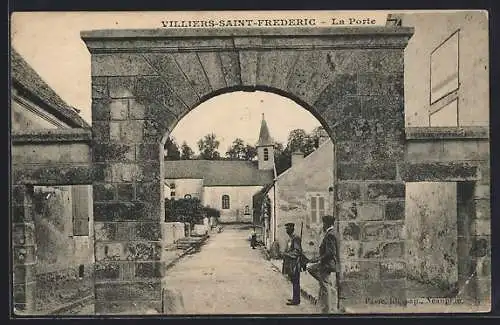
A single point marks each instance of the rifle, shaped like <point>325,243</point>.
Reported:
<point>302,258</point>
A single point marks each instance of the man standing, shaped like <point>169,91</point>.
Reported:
<point>291,262</point>
<point>325,264</point>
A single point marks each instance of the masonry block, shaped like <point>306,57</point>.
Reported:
<point>118,109</point>
<point>23,234</point>
<point>137,110</point>
<point>122,211</point>
<point>332,93</point>
<point>392,270</point>
<point>24,296</point>
<point>143,251</point>
<point>380,84</point>
<point>120,64</point>
<point>24,273</point>
<point>378,230</point>
<point>382,107</point>
<point>231,68</point>
<point>101,109</point>
<point>104,192</point>
<point>105,270</point>
<point>350,231</point>
<point>99,87</point>
<point>483,209</point>
<point>481,227</point>
<point>101,130</point>
<point>382,250</point>
<point>395,210</point>
<point>121,87</point>
<point>148,152</point>
<point>213,67</point>
<point>380,170</point>
<point>439,171</point>
<point>105,231</point>
<point>347,210</point>
<point>148,231</point>
<point>125,191</point>
<point>193,70</point>
<point>361,270</point>
<point>370,211</point>
<point>111,251</point>
<point>384,191</point>
<point>149,172</point>
<point>350,249</point>
<point>24,254</point>
<point>482,191</point>
<point>348,191</point>
<point>148,270</point>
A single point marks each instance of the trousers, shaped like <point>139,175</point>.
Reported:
<point>327,290</point>
<point>295,287</point>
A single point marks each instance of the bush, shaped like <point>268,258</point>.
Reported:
<point>188,210</point>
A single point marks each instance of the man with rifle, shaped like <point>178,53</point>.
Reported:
<point>292,264</point>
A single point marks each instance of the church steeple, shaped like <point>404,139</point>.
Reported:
<point>264,136</point>
<point>265,147</point>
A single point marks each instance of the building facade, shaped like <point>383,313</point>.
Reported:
<point>226,185</point>
<point>63,215</point>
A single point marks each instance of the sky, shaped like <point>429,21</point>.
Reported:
<point>50,42</point>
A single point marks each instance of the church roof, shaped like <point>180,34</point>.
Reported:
<point>264,135</point>
<point>23,75</point>
<point>219,172</point>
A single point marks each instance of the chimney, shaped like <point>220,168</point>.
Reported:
<point>297,156</point>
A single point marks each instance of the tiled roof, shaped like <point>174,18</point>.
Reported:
<point>23,75</point>
<point>219,172</point>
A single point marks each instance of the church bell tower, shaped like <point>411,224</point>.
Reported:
<point>265,147</point>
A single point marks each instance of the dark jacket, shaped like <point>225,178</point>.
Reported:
<point>291,256</point>
<point>329,253</point>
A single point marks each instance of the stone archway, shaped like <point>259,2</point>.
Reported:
<point>145,81</point>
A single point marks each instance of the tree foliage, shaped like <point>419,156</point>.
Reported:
<point>186,151</point>
<point>188,210</point>
<point>241,151</point>
<point>208,146</point>
<point>171,149</point>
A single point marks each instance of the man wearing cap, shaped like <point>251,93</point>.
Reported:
<point>325,264</point>
<point>291,262</point>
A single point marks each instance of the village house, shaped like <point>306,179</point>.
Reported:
<point>302,194</point>
<point>62,214</point>
<point>225,185</point>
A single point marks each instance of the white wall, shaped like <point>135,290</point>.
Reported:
<point>473,94</point>
<point>240,196</point>
<point>193,187</point>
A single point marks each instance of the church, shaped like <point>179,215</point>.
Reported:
<point>225,185</point>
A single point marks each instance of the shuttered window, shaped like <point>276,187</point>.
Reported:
<point>316,207</point>
<point>80,197</point>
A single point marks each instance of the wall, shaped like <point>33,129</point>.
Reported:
<point>59,254</point>
<point>194,187</point>
<point>430,31</point>
<point>313,174</point>
<point>431,233</point>
<point>240,196</point>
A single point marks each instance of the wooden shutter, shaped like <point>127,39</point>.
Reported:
<point>314,209</point>
<point>80,196</point>
<point>321,207</point>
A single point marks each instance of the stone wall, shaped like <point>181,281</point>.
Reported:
<point>431,233</point>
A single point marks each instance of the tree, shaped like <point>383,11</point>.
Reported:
<point>186,152</point>
<point>241,151</point>
<point>171,150</point>
<point>316,135</point>
<point>282,158</point>
<point>236,150</point>
<point>299,140</point>
<point>208,147</point>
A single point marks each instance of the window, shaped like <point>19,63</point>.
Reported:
<point>172,193</point>
<point>316,208</point>
<point>266,154</point>
<point>247,209</point>
<point>225,201</point>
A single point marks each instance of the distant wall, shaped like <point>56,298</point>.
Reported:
<point>193,187</point>
<point>240,197</point>
<point>431,230</point>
